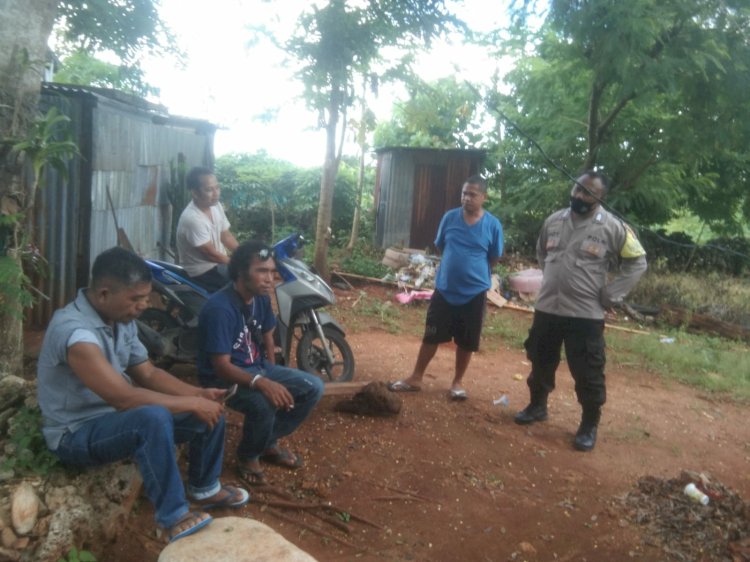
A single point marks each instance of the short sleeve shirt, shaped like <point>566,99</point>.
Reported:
<point>228,326</point>
<point>66,402</point>
<point>195,229</point>
<point>464,269</point>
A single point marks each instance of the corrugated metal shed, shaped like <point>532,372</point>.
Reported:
<point>414,187</point>
<point>129,148</point>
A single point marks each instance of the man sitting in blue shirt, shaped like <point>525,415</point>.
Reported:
<point>236,346</point>
<point>471,241</point>
<point>103,400</point>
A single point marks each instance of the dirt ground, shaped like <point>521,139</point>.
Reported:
<point>447,481</point>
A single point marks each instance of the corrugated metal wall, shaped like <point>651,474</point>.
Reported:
<point>127,151</point>
<point>415,187</point>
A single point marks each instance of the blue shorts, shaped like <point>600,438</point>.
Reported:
<point>461,323</point>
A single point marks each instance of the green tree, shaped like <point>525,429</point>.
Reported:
<point>124,26</point>
<point>81,67</point>
<point>653,92</point>
<point>269,198</point>
<point>336,43</point>
<point>441,114</point>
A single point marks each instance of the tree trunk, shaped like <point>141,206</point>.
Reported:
<point>358,205</point>
<point>25,26</point>
<point>327,184</point>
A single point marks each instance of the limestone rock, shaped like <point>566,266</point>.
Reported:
<point>24,508</point>
<point>234,539</point>
<point>8,537</point>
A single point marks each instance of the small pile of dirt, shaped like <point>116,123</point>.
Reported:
<point>687,530</point>
<point>373,400</point>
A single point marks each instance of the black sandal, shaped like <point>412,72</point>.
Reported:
<point>251,477</point>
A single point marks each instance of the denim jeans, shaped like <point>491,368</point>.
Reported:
<point>264,425</point>
<point>149,434</point>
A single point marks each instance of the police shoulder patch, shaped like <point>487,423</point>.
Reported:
<point>632,247</point>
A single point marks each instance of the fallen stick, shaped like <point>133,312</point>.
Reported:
<point>397,498</point>
<point>341,525</point>
<point>311,528</point>
<point>337,274</point>
<point>405,493</point>
<point>311,506</point>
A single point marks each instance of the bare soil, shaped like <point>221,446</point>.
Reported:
<point>447,481</point>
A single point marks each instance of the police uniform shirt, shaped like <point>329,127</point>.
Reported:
<point>578,254</point>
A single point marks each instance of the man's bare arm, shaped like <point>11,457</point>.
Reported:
<point>91,366</point>
<point>229,241</point>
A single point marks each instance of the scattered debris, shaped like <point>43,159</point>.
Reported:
<point>686,530</point>
<point>414,267</point>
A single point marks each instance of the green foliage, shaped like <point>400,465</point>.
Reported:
<point>48,142</point>
<point>83,68</point>
<point>26,451</point>
<point>364,260</point>
<point>442,114</point>
<point>714,294</point>
<point>125,27</point>
<point>14,293</point>
<point>75,555</point>
<point>712,364</point>
<point>637,89</point>
<point>678,252</point>
<point>389,315</point>
<point>268,198</point>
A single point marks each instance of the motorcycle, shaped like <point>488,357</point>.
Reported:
<point>169,330</point>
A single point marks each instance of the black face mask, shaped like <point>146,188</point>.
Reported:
<point>579,206</point>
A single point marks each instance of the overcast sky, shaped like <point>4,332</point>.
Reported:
<point>230,82</point>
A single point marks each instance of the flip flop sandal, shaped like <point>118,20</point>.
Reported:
<point>283,458</point>
<point>458,394</point>
<point>403,386</point>
<point>197,520</point>
<point>252,477</point>
<point>228,496</point>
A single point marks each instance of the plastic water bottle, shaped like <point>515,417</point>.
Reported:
<point>692,491</point>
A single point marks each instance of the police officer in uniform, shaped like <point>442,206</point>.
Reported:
<point>578,248</point>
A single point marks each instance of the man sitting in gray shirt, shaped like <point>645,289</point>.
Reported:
<point>102,400</point>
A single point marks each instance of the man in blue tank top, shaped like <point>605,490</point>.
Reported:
<point>471,242</point>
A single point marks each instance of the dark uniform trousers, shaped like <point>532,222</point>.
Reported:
<point>584,351</point>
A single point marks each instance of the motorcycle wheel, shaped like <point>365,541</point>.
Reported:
<point>311,356</point>
<point>159,321</point>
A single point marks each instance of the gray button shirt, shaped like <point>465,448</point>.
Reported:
<point>67,403</point>
<point>589,263</point>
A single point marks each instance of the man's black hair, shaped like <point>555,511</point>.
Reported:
<point>593,174</point>
<point>121,266</point>
<point>477,180</point>
<point>242,257</point>
<point>193,178</point>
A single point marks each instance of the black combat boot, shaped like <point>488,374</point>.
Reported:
<point>535,411</point>
<point>586,434</point>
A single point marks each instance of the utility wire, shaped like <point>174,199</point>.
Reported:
<point>611,209</point>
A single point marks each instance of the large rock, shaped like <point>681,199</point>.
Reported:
<point>234,539</point>
<point>24,508</point>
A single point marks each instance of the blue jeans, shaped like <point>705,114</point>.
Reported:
<point>264,425</point>
<point>149,433</point>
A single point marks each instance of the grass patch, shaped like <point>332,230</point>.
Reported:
<point>504,328</point>
<point>712,364</point>
<point>720,296</point>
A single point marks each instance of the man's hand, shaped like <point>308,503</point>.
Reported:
<point>206,410</point>
<point>215,394</point>
<point>276,393</point>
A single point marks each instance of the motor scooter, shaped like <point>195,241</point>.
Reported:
<point>169,330</point>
